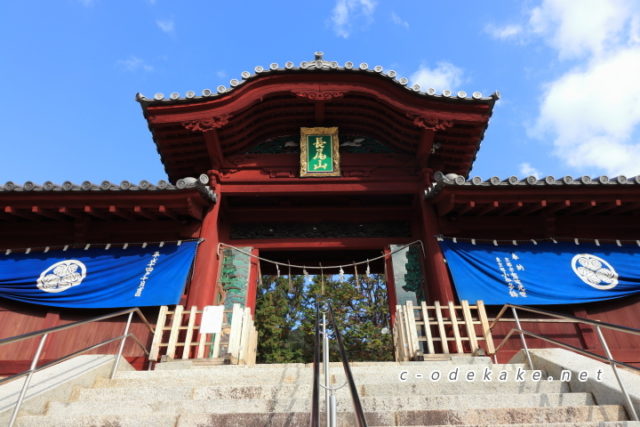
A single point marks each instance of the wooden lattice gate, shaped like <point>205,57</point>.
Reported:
<point>435,329</point>
<point>178,336</point>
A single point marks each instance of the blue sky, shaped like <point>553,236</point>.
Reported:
<point>69,69</point>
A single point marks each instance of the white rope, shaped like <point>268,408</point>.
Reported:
<point>319,267</point>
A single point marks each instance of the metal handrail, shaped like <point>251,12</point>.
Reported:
<point>357,406</point>
<point>330,407</point>
<point>44,334</point>
<point>75,324</point>
<point>315,401</point>
<point>572,319</point>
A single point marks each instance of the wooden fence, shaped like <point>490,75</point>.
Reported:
<point>434,329</point>
<point>178,336</point>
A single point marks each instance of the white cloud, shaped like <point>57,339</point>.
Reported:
<point>444,76</point>
<point>86,3</point>
<point>591,110</point>
<point>527,170</point>
<point>578,28</point>
<point>399,21</point>
<point>505,32</point>
<point>345,11</point>
<point>634,30</point>
<point>166,25</point>
<point>593,114</point>
<point>133,63</point>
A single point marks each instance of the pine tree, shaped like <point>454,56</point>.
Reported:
<point>278,313</point>
<point>285,320</point>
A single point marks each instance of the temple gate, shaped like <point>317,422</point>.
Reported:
<point>321,163</point>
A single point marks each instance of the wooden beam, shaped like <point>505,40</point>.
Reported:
<point>330,187</point>
<point>81,229</point>
<point>89,210</point>
<point>628,207</point>
<point>194,210</point>
<point>470,205</point>
<point>47,213</point>
<point>445,206</point>
<point>534,207</point>
<point>512,207</point>
<point>605,207</point>
<point>162,209</point>
<point>71,213</point>
<point>492,206</point>
<point>471,329</point>
<point>318,111</point>
<point>424,146</point>
<point>139,210</point>
<point>214,148</point>
<point>556,207</point>
<point>333,213</point>
<point>20,213</point>
<point>583,207</point>
<point>351,243</point>
<point>441,329</point>
<point>120,212</point>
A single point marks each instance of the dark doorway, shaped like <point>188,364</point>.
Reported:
<point>285,307</point>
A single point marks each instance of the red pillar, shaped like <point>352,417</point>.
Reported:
<point>254,278</point>
<point>439,286</point>
<point>205,271</point>
<point>391,285</point>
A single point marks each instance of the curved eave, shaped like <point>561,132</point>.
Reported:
<point>222,91</point>
<point>279,102</point>
<point>454,195</point>
<point>188,199</point>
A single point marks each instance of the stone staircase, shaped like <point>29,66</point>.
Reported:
<point>195,393</point>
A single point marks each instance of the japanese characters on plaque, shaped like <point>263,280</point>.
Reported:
<point>510,268</point>
<point>319,152</point>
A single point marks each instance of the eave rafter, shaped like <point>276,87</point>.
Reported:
<point>254,92</point>
<point>268,105</point>
<point>101,206</point>
<point>525,201</point>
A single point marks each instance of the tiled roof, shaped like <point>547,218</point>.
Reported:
<point>318,64</point>
<point>199,183</point>
<point>441,180</point>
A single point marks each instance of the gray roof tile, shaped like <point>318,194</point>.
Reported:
<point>318,64</point>
<point>442,180</point>
<point>199,183</point>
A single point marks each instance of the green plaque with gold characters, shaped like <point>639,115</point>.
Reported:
<point>319,154</point>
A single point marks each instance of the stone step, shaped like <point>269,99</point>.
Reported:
<point>572,424</point>
<point>462,387</point>
<point>455,359</point>
<point>142,405</point>
<point>179,392</point>
<point>580,417</point>
<point>203,420</point>
<point>591,415</point>
<point>288,375</point>
<point>149,420</point>
<point>361,367</point>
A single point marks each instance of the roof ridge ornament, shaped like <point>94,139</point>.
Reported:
<point>319,63</point>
